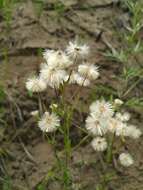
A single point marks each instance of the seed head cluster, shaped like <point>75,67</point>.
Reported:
<point>103,120</point>
<point>69,66</point>
<point>60,66</point>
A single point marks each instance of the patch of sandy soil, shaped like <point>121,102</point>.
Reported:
<point>28,168</point>
<point>31,156</point>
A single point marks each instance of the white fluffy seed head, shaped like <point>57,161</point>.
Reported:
<point>102,107</point>
<point>57,59</point>
<point>89,71</point>
<point>36,84</point>
<point>133,132</point>
<point>53,76</point>
<point>126,159</point>
<point>57,78</point>
<point>99,144</point>
<point>61,59</point>
<point>49,122</point>
<point>76,50</point>
<point>96,124</point>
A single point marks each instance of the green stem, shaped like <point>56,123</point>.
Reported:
<point>110,149</point>
<point>67,135</point>
<point>67,147</point>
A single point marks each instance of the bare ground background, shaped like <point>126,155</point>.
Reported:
<point>29,156</point>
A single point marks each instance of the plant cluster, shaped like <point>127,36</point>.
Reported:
<point>106,120</point>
